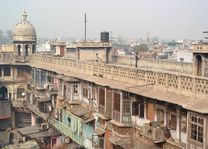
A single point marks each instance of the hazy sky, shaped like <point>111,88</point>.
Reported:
<point>167,19</point>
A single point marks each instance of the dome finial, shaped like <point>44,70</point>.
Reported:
<point>24,16</point>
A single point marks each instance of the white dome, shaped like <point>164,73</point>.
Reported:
<point>24,30</point>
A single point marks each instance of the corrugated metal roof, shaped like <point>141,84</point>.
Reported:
<point>123,142</point>
<point>29,130</point>
<point>70,79</point>
<point>79,111</point>
<point>41,134</point>
<point>99,131</point>
<point>89,119</point>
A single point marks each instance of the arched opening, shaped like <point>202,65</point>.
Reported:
<point>3,93</point>
<point>198,65</point>
<point>19,50</point>
<point>33,49</point>
<point>26,50</point>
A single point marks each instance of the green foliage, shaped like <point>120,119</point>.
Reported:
<point>140,48</point>
<point>6,38</point>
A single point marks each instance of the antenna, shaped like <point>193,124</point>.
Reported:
<point>85,21</point>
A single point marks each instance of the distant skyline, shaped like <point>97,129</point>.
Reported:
<point>167,19</point>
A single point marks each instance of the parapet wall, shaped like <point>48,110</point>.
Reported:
<point>177,82</point>
<point>154,64</point>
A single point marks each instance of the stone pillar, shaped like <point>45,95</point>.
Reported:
<point>203,66</point>
<point>165,117</point>
<point>105,99</point>
<point>121,107</point>
<point>145,109</point>
<point>13,119</point>
<point>33,120</point>
<point>155,118</point>
<point>23,49</point>
<point>178,125</point>
<point>62,92</point>
<point>2,70</point>
<point>15,95</point>
<point>71,85</point>
<point>205,133</point>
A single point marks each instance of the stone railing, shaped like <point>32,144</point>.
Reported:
<point>155,64</point>
<point>10,57</point>
<point>7,57</point>
<point>180,83</point>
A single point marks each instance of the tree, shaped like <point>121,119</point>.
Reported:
<point>9,35</point>
<point>140,48</point>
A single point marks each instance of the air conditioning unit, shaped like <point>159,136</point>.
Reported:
<point>45,86</point>
<point>23,139</point>
<point>49,108</point>
<point>67,140</point>
<point>44,126</point>
<point>50,87</point>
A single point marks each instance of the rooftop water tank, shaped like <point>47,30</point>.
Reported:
<point>104,36</point>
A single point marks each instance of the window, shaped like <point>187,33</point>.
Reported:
<point>20,72</point>
<point>181,59</point>
<point>49,79</point>
<point>85,92</point>
<point>7,71</point>
<point>75,88</point>
<point>43,77</point>
<point>117,101</point>
<point>69,121</point>
<point>138,109</point>
<point>172,120</point>
<point>160,115</point>
<point>126,107</point>
<point>197,125</point>
<point>101,96</point>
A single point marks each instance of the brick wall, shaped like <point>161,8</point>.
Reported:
<point>108,144</point>
<point>150,110</point>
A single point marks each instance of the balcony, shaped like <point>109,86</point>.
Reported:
<point>66,131</point>
<point>155,133</point>
<point>5,109</point>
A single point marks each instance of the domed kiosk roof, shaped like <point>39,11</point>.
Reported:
<point>24,30</point>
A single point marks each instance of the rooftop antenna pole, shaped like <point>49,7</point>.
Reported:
<point>85,27</point>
